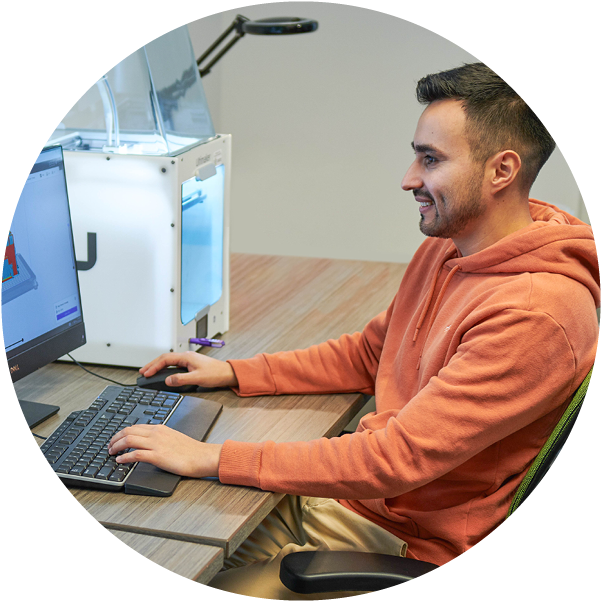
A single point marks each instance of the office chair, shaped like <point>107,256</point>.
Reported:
<point>331,571</point>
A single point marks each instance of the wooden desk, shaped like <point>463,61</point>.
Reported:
<point>277,303</point>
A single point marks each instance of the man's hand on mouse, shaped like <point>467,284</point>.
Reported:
<point>167,449</point>
<point>203,370</point>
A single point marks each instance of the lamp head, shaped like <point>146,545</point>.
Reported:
<point>278,26</point>
<point>273,26</point>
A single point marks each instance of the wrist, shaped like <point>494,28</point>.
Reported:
<point>209,466</point>
<point>230,375</point>
<point>216,451</point>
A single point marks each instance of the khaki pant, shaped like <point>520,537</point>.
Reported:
<point>299,524</point>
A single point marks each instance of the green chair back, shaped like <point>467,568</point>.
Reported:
<point>550,450</point>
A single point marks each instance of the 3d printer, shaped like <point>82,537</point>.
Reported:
<point>149,184</point>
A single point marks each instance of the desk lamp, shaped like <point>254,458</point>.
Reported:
<point>273,26</point>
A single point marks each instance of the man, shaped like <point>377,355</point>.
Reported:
<point>492,330</point>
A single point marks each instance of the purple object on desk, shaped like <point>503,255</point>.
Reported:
<point>208,342</point>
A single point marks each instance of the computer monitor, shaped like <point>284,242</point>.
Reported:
<point>42,317</point>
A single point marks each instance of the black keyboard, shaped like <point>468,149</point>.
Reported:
<point>78,449</point>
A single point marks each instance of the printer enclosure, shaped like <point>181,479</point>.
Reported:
<point>127,212</point>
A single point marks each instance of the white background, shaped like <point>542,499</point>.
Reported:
<point>53,52</point>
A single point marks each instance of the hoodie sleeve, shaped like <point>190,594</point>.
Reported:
<point>509,371</point>
<point>348,364</point>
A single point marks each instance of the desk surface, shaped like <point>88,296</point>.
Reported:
<point>277,303</point>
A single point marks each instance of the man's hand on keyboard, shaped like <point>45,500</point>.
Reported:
<point>167,449</point>
<point>203,370</point>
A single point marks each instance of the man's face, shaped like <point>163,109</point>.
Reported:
<point>443,177</point>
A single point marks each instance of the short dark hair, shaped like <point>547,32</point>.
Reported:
<point>497,118</point>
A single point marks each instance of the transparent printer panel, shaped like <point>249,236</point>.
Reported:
<point>202,243</point>
<point>116,114</point>
<point>151,103</point>
<point>179,91</point>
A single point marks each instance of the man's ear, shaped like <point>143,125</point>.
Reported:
<point>503,168</point>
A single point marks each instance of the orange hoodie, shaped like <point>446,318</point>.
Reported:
<point>471,366</point>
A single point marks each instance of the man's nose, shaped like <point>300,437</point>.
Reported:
<point>411,181</point>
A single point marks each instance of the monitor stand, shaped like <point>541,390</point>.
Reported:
<point>35,412</point>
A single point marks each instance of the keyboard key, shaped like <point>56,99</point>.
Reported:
<point>119,474</point>
<point>59,449</point>
<point>104,473</point>
<point>91,471</point>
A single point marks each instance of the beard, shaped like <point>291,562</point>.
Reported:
<point>458,209</point>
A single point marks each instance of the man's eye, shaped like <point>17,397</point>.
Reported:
<point>429,160</point>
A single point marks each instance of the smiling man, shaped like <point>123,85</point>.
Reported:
<point>460,201</point>
<point>492,330</point>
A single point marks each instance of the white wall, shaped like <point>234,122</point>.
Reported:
<point>322,125</point>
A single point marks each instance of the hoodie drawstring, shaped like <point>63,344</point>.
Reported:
<point>427,304</point>
<point>446,282</point>
<point>429,296</point>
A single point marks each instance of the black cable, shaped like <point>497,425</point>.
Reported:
<point>98,375</point>
<point>38,436</point>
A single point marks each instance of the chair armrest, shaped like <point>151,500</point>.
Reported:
<point>317,572</point>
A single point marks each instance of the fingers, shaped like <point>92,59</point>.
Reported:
<point>183,378</point>
<point>136,455</point>
<point>163,361</point>
<point>118,441</point>
<point>158,364</point>
<point>139,440</point>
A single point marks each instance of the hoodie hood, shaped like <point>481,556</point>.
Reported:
<point>556,242</point>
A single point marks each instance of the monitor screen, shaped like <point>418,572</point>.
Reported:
<point>42,317</point>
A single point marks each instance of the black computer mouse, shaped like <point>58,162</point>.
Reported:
<point>157,381</point>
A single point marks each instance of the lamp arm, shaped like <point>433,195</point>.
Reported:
<point>235,25</point>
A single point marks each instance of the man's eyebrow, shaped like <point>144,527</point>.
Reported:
<point>425,148</point>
